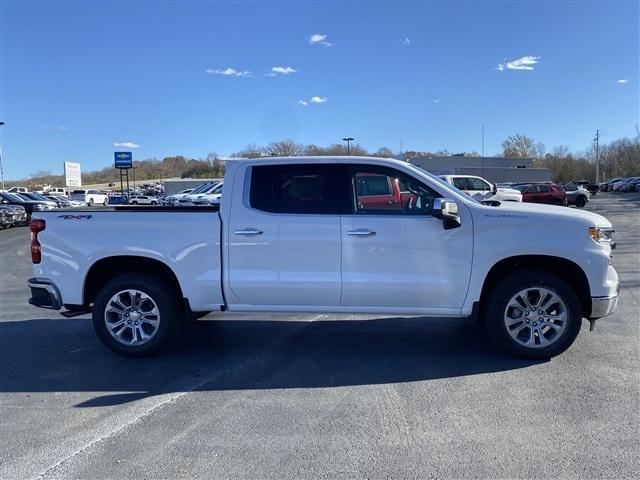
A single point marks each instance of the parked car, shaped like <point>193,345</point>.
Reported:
<point>38,198</point>
<point>606,186</point>
<point>630,185</point>
<point>56,191</point>
<point>481,189</point>
<point>592,188</point>
<point>7,219</point>
<point>18,190</point>
<point>616,186</point>
<point>576,195</point>
<point>295,235</point>
<point>19,213</point>
<point>187,200</point>
<point>117,199</point>
<point>64,201</point>
<point>89,197</point>
<point>211,197</point>
<point>142,200</point>
<point>30,206</point>
<point>170,199</point>
<point>549,193</point>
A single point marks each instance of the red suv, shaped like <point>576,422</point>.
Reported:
<point>543,193</point>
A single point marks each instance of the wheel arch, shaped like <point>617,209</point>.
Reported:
<point>569,271</point>
<point>108,268</point>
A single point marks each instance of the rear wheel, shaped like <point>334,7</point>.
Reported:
<point>532,314</point>
<point>91,202</point>
<point>136,314</point>
<point>581,201</point>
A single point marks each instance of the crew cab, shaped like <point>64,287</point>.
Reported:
<point>481,189</point>
<point>304,235</point>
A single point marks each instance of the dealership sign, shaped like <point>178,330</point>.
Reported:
<point>72,174</point>
<point>123,159</point>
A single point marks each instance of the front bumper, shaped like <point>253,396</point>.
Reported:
<point>44,294</point>
<point>603,306</point>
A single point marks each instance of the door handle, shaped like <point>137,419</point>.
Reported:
<point>361,233</point>
<point>391,202</point>
<point>248,231</point>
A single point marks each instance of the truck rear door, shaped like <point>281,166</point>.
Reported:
<point>283,236</point>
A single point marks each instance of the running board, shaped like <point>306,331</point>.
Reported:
<point>74,313</point>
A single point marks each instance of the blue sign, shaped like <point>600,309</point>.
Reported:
<point>123,159</point>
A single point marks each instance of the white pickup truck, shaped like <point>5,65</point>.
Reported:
<point>328,234</point>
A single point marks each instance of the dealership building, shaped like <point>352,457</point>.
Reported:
<point>494,169</point>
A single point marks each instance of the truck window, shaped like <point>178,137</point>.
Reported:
<point>461,183</point>
<point>403,194</point>
<point>477,184</point>
<point>301,189</point>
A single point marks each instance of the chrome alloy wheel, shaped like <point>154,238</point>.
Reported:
<point>535,317</point>
<point>132,317</point>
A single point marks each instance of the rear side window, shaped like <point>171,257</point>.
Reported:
<point>477,184</point>
<point>302,189</point>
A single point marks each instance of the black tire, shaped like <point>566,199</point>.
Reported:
<point>581,201</point>
<point>106,202</point>
<point>168,304</point>
<point>91,202</point>
<point>495,305</point>
<point>558,202</point>
<point>134,203</point>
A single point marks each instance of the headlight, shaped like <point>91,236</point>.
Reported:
<point>603,236</point>
<point>38,206</point>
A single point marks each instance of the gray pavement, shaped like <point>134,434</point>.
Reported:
<point>299,396</point>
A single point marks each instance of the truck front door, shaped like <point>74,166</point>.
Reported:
<point>402,256</point>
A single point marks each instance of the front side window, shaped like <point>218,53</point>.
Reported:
<point>300,188</point>
<point>478,184</point>
<point>385,191</point>
<point>461,184</point>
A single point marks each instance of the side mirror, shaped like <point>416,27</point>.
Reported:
<point>494,188</point>
<point>446,210</point>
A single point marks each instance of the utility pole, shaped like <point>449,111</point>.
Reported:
<point>1,169</point>
<point>597,140</point>
<point>348,140</point>
<point>483,150</point>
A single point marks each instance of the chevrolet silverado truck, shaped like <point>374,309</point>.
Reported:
<point>305,235</point>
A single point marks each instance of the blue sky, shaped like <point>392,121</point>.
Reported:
<point>77,77</point>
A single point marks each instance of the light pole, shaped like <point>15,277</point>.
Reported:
<point>348,140</point>
<point>1,169</point>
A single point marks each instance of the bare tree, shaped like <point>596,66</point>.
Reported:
<point>519,145</point>
<point>285,148</point>
<point>384,152</point>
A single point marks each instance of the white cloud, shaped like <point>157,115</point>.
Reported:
<point>126,145</point>
<point>302,103</point>
<point>319,39</point>
<point>623,81</point>
<point>318,99</point>
<point>229,72</point>
<point>523,63</point>
<point>63,128</point>
<point>283,70</point>
<point>437,100</point>
<point>406,42</point>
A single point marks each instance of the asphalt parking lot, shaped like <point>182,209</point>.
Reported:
<point>302,396</point>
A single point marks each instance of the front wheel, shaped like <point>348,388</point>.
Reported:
<point>581,202</point>
<point>558,202</point>
<point>136,314</point>
<point>532,314</point>
<point>106,202</point>
<point>91,202</point>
